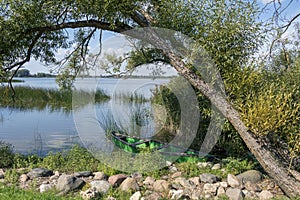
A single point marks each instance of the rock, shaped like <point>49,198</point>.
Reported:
<point>265,194</point>
<point>45,187</point>
<point>100,176</point>
<point>252,187</point>
<point>195,180</point>
<point>232,180</point>
<point>253,176</point>
<point>173,169</point>
<point>101,186</point>
<point>39,172</point>
<point>67,183</point>
<point>176,194</point>
<point>149,181</point>
<point>183,183</point>
<point>216,166</point>
<point>2,173</point>
<point>220,191</point>
<point>129,184</point>
<point>224,184</point>
<point>136,196</point>
<point>208,178</point>
<point>117,179</point>
<point>56,173</point>
<point>204,164</point>
<point>91,193</point>
<point>23,178</point>
<point>137,176</point>
<point>197,193</point>
<point>53,178</point>
<point>83,174</point>
<point>210,189</point>
<point>176,174</point>
<point>161,186</point>
<point>234,194</point>
<point>152,196</point>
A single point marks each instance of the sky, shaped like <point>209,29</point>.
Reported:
<point>108,37</point>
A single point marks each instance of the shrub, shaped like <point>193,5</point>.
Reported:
<point>6,154</point>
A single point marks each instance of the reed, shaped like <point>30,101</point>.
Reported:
<point>40,99</point>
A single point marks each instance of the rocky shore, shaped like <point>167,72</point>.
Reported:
<point>251,184</point>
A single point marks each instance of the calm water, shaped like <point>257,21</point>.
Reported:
<point>33,131</point>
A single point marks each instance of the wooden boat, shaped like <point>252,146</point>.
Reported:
<point>170,152</point>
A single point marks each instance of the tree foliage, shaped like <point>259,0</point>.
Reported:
<point>228,30</point>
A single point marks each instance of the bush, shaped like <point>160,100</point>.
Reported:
<point>6,154</point>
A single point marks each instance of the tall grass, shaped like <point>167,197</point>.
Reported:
<point>38,98</point>
<point>131,97</point>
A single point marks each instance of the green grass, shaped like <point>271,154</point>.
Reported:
<point>38,98</point>
<point>13,193</point>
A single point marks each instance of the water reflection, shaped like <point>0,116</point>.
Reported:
<point>35,127</point>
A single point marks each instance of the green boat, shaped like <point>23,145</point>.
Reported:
<point>133,144</point>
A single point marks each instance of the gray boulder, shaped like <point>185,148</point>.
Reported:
<point>100,176</point>
<point>252,176</point>
<point>39,172</point>
<point>209,178</point>
<point>101,186</point>
<point>83,174</point>
<point>67,183</point>
<point>234,194</point>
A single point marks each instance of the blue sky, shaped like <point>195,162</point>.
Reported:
<point>294,8</point>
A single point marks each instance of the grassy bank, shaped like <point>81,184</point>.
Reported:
<point>37,98</point>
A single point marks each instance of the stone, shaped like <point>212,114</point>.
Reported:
<point>204,164</point>
<point>152,196</point>
<point>129,184</point>
<point>223,184</point>
<point>67,183</point>
<point>210,189</point>
<point>148,181</point>
<point>232,180</point>
<point>216,166</point>
<point>83,174</point>
<point>253,176</point>
<point>100,176</point>
<point>220,191</point>
<point>265,195</point>
<point>184,183</point>
<point>176,174</point>
<point>234,194</point>
<point>117,179</point>
<point>161,186</point>
<point>252,187</point>
<point>56,173</point>
<point>136,196</point>
<point>23,178</point>
<point>53,178</point>
<point>208,178</point>
<point>45,187</point>
<point>176,194</point>
<point>91,193</point>
<point>101,186</point>
<point>39,172</point>
<point>195,180</point>
<point>173,169</point>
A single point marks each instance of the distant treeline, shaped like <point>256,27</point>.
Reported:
<point>26,73</point>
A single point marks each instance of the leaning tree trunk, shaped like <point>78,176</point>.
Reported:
<point>288,180</point>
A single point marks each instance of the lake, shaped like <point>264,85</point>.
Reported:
<point>41,131</point>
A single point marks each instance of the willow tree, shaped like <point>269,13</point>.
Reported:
<point>227,30</point>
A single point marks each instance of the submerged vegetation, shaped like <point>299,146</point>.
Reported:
<point>38,98</point>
